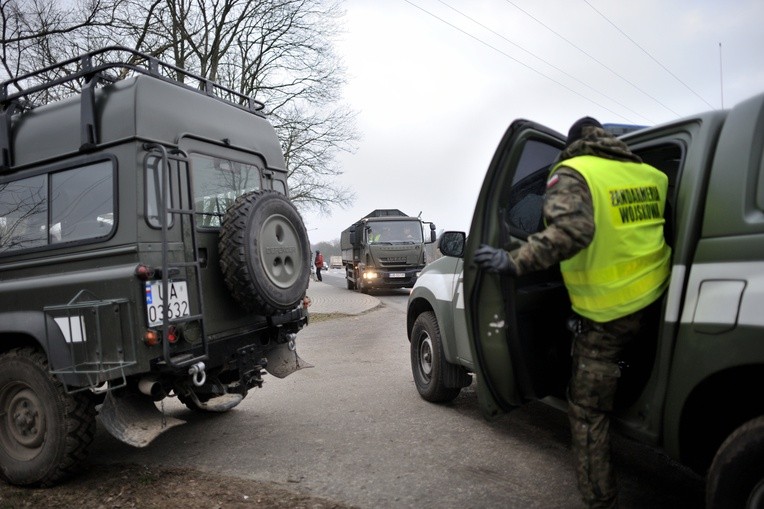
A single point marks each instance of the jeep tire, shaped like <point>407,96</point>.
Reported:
<point>264,252</point>
<point>45,432</point>
<point>736,477</point>
<point>428,362</point>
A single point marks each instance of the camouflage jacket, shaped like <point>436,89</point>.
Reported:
<point>568,208</point>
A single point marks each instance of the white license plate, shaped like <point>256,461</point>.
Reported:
<point>177,304</point>
<point>397,274</point>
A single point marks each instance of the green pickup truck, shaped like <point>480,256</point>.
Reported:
<point>693,383</point>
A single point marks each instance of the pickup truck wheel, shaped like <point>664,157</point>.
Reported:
<point>736,477</point>
<point>264,252</point>
<point>428,363</point>
<point>44,431</point>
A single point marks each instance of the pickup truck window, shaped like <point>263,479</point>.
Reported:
<point>525,200</point>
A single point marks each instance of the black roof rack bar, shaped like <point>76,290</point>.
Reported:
<point>139,63</point>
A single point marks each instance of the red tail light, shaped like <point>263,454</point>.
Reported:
<point>173,335</point>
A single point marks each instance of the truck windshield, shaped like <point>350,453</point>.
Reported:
<point>217,183</point>
<point>395,232</point>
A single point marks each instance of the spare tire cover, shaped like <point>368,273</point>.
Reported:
<point>264,252</point>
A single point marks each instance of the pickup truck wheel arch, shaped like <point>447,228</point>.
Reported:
<point>428,363</point>
<point>736,476</point>
<point>45,432</point>
<point>264,252</point>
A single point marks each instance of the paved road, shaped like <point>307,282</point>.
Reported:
<point>354,429</point>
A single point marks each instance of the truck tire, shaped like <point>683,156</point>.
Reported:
<point>264,252</point>
<point>428,362</point>
<point>736,476</point>
<point>45,432</point>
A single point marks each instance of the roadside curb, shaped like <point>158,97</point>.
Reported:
<point>329,299</point>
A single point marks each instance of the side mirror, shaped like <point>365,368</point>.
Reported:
<point>351,235</point>
<point>452,244</point>
<point>433,236</point>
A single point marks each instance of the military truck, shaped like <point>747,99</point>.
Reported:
<point>148,249</point>
<point>691,384</point>
<point>384,249</point>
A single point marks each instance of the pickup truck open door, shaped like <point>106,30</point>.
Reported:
<point>517,327</point>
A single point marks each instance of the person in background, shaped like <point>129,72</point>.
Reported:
<point>604,211</point>
<point>319,264</point>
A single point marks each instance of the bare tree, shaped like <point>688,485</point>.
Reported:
<point>278,51</point>
<point>38,33</point>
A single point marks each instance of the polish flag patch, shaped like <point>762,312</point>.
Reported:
<point>552,181</point>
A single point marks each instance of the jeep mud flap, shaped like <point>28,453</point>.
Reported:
<point>134,419</point>
<point>283,361</point>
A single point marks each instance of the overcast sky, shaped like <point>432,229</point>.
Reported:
<point>436,83</point>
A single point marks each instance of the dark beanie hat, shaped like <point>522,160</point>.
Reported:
<point>576,130</point>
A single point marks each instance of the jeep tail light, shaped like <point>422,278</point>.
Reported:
<point>173,334</point>
<point>144,272</point>
<point>151,337</point>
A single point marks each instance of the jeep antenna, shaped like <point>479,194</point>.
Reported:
<point>420,215</point>
<point>721,76</point>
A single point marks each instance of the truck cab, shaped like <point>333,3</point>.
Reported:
<point>385,249</point>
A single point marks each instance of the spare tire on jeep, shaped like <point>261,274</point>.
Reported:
<point>264,252</point>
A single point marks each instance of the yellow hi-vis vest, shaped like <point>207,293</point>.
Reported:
<point>627,265</point>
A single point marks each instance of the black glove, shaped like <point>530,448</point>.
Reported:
<point>494,260</point>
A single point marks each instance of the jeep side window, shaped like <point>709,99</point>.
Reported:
<point>82,203</point>
<point>217,183</point>
<point>23,213</point>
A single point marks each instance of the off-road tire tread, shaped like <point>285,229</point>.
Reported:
<point>80,418</point>
<point>233,256</point>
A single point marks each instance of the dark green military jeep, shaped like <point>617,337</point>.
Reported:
<point>148,249</point>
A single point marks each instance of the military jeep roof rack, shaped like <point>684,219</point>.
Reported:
<point>84,73</point>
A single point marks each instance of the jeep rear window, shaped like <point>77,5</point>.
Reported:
<point>217,183</point>
<point>81,204</point>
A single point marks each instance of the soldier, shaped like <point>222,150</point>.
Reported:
<point>604,215</point>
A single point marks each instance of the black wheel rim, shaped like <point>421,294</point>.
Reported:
<point>424,356</point>
<point>23,429</point>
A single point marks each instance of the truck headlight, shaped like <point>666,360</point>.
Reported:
<point>369,275</point>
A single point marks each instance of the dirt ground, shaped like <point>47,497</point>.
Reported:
<point>147,487</point>
<point>134,486</point>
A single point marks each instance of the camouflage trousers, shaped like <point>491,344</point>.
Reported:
<point>597,348</point>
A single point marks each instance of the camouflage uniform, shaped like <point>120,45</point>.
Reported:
<point>597,348</point>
